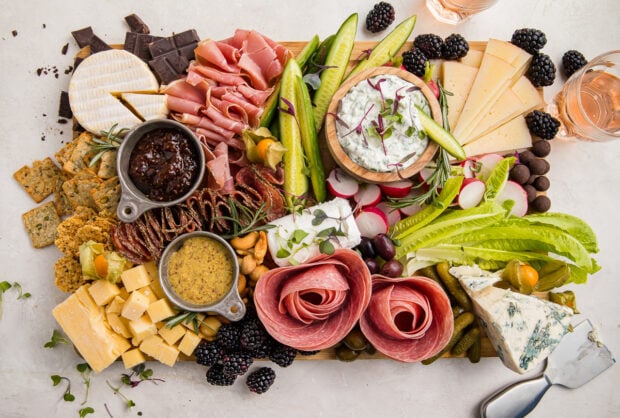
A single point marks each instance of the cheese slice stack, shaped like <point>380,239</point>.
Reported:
<point>98,82</point>
<point>523,329</point>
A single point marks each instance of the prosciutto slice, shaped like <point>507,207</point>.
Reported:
<point>408,319</point>
<point>313,306</point>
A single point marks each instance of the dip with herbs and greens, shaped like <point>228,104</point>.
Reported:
<point>378,125</point>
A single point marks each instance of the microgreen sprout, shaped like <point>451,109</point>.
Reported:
<point>85,372</point>
<point>117,391</point>
<point>142,373</point>
<point>67,396</point>
<point>5,286</point>
<point>359,128</point>
<point>313,79</point>
<point>290,110</point>
<point>57,338</point>
<point>85,411</point>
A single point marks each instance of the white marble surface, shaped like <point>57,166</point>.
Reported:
<point>584,178</point>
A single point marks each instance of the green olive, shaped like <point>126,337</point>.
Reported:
<point>344,353</point>
<point>355,340</point>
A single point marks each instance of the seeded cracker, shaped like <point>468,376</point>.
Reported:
<point>107,166</point>
<point>64,154</point>
<point>77,189</point>
<point>41,223</point>
<point>67,241</point>
<point>68,274</point>
<point>80,153</point>
<point>107,195</point>
<point>63,207</point>
<point>40,180</point>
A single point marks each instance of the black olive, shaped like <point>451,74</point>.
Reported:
<point>531,192</point>
<point>372,265</point>
<point>541,148</point>
<point>384,246</point>
<point>538,166</point>
<point>520,173</point>
<point>541,204</point>
<point>526,156</point>
<point>365,247</point>
<point>541,183</point>
<point>392,268</point>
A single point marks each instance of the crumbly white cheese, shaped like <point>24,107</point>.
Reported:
<point>523,329</point>
<point>296,238</point>
<point>403,141</point>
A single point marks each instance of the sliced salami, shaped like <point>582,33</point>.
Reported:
<point>313,306</point>
<point>408,319</point>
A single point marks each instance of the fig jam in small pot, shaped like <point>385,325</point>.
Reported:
<point>163,164</point>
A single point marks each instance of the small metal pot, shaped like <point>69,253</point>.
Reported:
<point>133,202</point>
<point>230,306</point>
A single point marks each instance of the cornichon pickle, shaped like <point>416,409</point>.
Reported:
<point>551,275</point>
<point>466,342</point>
<point>460,323</point>
<point>344,353</point>
<point>475,351</point>
<point>453,285</point>
<point>566,298</point>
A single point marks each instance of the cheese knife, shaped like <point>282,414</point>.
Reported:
<point>577,359</point>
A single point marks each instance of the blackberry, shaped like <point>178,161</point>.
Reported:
<point>260,380</point>
<point>530,40</point>
<point>253,334</point>
<point>208,353</point>
<point>572,61</point>
<point>236,363</point>
<point>542,71</point>
<point>216,376</point>
<point>454,47</point>
<point>380,17</point>
<point>308,353</point>
<point>283,355</point>
<point>415,61</point>
<point>264,350</point>
<point>542,124</point>
<point>228,336</point>
<point>430,44</point>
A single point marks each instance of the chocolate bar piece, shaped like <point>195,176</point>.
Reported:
<point>97,45</point>
<point>138,44</point>
<point>136,24</point>
<point>169,67</point>
<point>184,42</point>
<point>83,36</point>
<point>64,108</point>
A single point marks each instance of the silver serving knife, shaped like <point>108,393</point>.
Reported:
<point>579,358</point>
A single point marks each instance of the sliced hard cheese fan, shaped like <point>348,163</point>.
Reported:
<point>502,64</point>
<point>147,106</point>
<point>84,323</point>
<point>473,58</point>
<point>456,78</point>
<point>518,99</point>
<point>98,79</point>
<point>511,136</point>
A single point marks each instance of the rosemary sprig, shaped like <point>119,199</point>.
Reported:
<point>441,166</point>
<point>109,140</point>
<point>184,317</point>
<point>244,220</point>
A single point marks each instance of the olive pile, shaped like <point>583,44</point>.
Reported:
<point>354,344</point>
<point>530,172</point>
<point>378,254</point>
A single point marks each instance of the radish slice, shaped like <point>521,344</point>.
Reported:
<point>397,188</point>
<point>425,173</point>
<point>392,214</point>
<point>371,222</point>
<point>469,168</point>
<point>340,184</point>
<point>472,191</point>
<point>487,164</point>
<point>415,207</point>
<point>368,195</point>
<point>513,191</point>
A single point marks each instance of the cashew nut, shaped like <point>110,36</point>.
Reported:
<point>245,242</point>
<point>258,272</point>
<point>248,264</point>
<point>260,248</point>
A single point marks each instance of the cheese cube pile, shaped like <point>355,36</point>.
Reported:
<point>490,98</point>
<point>105,321</point>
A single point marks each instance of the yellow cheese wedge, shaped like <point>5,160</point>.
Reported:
<point>509,137</point>
<point>518,99</point>
<point>147,106</point>
<point>510,53</point>
<point>473,58</point>
<point>132,358</point>
<point>96,83</point>
<point>457,78</point>
<point>84,323</point>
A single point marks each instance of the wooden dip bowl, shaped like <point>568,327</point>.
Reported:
<point>340,155</point>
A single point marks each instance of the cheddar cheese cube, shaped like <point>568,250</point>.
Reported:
<point>160,310</point>
<point>135,306</point>
<point>118,324</point>
<point>142,328</point>
<point>148,292</point>
<point>155,347</point>
<point>132,358</point>
<point>189,343</point>
<point>115,306</point>
<point>135,278</point>
<point>103,291</point>
<point>172,335</point>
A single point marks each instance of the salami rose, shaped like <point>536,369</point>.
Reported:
<point>408,319</point>
<point>314,305</point>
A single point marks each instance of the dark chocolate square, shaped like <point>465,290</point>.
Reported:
<point>83,36</point>
<point>64,108</point>
<point>169,67</point>
<point>136,24</point>
<point>97,45</point>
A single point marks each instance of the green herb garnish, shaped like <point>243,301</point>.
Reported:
<point>109,140</point>
<point>57,338</point>
<point>117,391</point>
<point>245,220</point>
<point>85,372</point>
<point>67,396</point>
<point>142,373</point>
<point>184,317</point>
<point>85,411</point>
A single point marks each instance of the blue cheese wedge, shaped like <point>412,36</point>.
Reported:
<point>523,329</point>
<point>298,237</point>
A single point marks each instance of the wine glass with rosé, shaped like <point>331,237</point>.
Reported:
<point>457,11</point>
<point>588,106</point>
